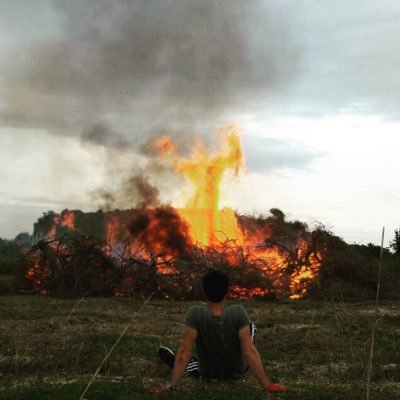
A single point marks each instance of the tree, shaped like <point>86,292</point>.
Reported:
<point>9,256</point>
<point>23,239</point>
<point>395,243</point>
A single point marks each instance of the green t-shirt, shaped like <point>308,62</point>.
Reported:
<point>217,344</point>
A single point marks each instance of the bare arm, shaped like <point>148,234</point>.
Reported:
<point>181,360</point>
<point>252,357</point>
<point>183,355</point>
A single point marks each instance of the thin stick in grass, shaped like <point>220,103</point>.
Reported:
<point>75,306</point>
<point>375,322</point>
<point>114,346</point>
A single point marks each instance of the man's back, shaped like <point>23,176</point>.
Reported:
<point>223,339</point>
<point>217,342</point>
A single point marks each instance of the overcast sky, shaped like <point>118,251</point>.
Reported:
<point>313,87</point>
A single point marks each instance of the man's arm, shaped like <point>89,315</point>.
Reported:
<point>183,355</point>
<point>253,359</point>
<point>182,359</point>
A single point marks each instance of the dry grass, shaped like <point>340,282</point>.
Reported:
<point>319,350</point>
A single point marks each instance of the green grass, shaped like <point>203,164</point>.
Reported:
<point>319,350</point>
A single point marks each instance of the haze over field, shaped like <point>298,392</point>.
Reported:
<point>314,89</point>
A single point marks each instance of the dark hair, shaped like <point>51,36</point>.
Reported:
<point>215,285</point>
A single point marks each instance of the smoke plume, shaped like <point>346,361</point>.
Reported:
<point>146,65</point>
<point>133,191</point>
<point>117,73</point>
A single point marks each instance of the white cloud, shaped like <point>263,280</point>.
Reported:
<point>352,187</point>
<point>39,168</point>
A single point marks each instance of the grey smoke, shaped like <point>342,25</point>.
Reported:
<point>103,199</point>
<point>103,134</point>
<point>133,191</point>
<point>118,73</point>
<point>142,65</point>
<point>145,191</point>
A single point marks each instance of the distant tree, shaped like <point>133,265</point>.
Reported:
<point>371,250</point>
<point>277,214</point>
<point>10,255</point>
<point>395,243</point>
<point>24,239</point>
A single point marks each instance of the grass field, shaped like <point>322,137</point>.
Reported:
<point>319,350</point>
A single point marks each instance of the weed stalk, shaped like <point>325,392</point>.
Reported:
<point>114,346</point>
<point>375,322</point>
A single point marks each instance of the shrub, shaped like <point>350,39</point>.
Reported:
<point>10,256</point>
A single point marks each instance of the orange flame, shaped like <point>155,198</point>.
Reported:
<point>65,219</point>
<point>208,225</point>
<point>165,146</point>
<point>307,272</point>
<point>68,219</point>
<point>113,229</point>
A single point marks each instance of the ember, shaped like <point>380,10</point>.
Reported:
<point>165,249</point>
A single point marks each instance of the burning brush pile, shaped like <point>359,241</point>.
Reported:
<point>166,249</point>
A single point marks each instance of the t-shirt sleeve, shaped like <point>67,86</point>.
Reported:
<point>190,318</point>
<point>242,317</point>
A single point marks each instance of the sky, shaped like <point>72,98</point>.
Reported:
<point>312,86</point>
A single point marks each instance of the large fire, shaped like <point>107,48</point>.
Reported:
<point>281,252</point>
<point>208,225</point>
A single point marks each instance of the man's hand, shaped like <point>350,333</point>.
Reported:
<point>158,389</point>
<point>274,387</point>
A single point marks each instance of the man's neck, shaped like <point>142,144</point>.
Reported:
<point>216,308</point>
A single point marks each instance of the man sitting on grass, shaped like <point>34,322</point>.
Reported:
<point>224,341</point>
